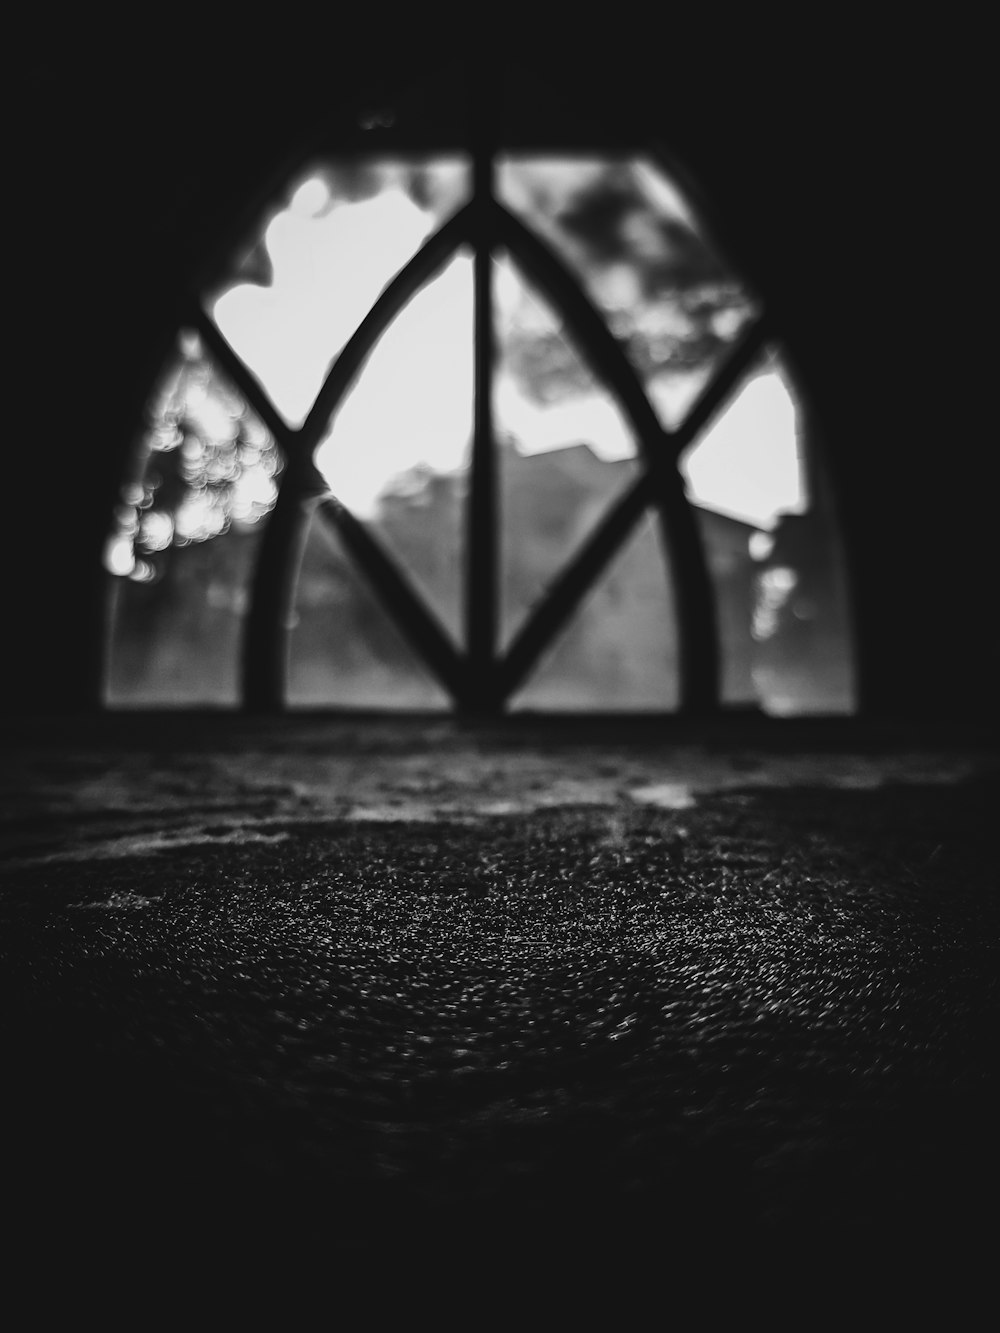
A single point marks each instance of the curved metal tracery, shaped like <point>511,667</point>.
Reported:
<point>479,679</point>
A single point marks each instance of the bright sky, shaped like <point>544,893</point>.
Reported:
<point>413,400</point>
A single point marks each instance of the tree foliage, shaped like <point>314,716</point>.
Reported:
<point>203,465</point>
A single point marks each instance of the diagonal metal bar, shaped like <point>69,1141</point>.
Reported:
<point>398,597</point>
<point>573,583</point>
<point>737,361</point>
<point>698,650</point>
<point>425,265</point>
<point>245,380</point>
<point>547,271</point>
<point>265,646</point>
<point>581,573</point>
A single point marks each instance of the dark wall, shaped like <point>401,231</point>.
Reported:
<point>843,164</point>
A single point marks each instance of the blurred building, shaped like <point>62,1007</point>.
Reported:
<point>176,637</point>
<point>619,650</point>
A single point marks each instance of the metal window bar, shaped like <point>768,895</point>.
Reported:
<point>477,679</point>
<point>481,584</point>
<point>619,521</point>
<point>695,596</point>
<point>265,634</point>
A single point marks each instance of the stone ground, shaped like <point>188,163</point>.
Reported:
<point>698,985</point>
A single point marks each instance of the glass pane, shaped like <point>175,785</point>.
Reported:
<point>745,475</point>
<point>344,649</point>
<point>397,452</point>
<point>728,545</point>
<point>803,661</point>
<point>619,651</point>
<point>640,252</point>
<point>565,450</point>
<point>348,227</point>
<point>636,247</point>
<point>754,475</point>
<point>748,464</point>
<point>184,542</point>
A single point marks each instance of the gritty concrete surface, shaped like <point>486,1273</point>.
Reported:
<point>614,978</point>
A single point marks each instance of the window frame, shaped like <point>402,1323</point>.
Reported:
<point>481,678</point>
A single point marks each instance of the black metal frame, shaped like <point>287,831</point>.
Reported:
<point>481,679</point>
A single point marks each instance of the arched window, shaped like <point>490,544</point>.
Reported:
<point>486,429</point>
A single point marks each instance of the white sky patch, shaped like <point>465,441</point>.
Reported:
<point>412,402</point>
<point>747,464</point>
<point>591,418</point>
<point>328,272</point>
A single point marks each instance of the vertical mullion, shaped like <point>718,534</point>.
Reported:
<point>481,537</point>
